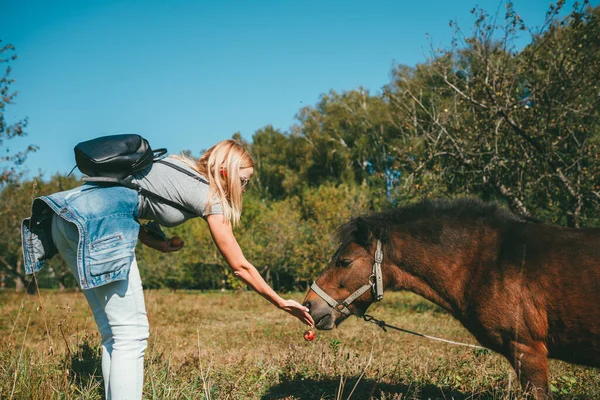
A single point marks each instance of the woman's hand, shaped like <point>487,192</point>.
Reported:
<point>298,310</point>
<point>171,245</point>
<point>163,245</point>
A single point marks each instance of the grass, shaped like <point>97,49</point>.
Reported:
<point>234,345</point>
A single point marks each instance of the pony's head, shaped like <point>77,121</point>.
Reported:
<point>353,278</point>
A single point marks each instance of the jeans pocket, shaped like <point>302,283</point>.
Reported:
<point>104,267</point>
<point>110,254</point>
<point>106,243</point>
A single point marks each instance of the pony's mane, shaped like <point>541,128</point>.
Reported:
<point>382,224</point>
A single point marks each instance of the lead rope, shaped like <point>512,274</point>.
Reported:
<point>382,324</point>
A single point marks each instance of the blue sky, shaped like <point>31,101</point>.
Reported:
<point>188,74</point>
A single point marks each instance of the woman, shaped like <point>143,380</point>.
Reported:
<point>95,229</point>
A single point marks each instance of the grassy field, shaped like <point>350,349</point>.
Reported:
<point>235,345</point>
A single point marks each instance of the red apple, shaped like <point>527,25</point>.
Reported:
<point>309,335</point>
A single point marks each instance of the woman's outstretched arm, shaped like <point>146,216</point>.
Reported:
<point>222,234</point>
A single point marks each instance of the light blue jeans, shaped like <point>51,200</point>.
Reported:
<point>120,313</point>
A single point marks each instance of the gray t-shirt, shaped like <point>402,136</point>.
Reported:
<point>176,186</point>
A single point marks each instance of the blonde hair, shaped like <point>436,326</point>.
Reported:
<point>221,164</point>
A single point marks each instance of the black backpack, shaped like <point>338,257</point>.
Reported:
<point>116,156</point>
<point>113,160</point>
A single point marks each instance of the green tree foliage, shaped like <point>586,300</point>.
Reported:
<point>289,240</point>
<point>346,138</point>
<point>278,160</point>
<point>272,237</point>
<point>349,136</point>
<point>522,127</point>
<point>323,210</point>
<point>9,159</point>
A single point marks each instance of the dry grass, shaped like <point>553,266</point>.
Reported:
<point>237,346</point>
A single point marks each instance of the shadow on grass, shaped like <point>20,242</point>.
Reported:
<point>86,367</point>
<point>326,389</point>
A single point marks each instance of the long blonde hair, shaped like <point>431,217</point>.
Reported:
<point>221,164</point>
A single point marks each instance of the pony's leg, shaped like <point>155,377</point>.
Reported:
<point>530,362</point>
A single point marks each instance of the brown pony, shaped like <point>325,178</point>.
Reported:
<point>524,289</point>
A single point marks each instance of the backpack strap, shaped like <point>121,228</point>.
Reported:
<point>183,170</point>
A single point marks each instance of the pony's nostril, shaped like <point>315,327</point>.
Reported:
<point>307,304</point>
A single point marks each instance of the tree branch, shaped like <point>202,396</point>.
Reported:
<point>12,269</point>
<point>515,201</point>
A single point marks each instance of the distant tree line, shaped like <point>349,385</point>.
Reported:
<point>479,118</point>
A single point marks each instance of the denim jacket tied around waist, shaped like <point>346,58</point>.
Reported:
<point>106,218</point>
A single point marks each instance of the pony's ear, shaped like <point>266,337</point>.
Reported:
<point>363,232</point>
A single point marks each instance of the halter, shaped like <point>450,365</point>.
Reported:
<point>375,284</point>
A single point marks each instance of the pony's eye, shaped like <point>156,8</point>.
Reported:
<point>344,262</point>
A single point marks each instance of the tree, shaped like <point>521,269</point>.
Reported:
<point>272,152</point>
<point>10,159</point>
<point>523,127</point>
<point>348,137</point>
